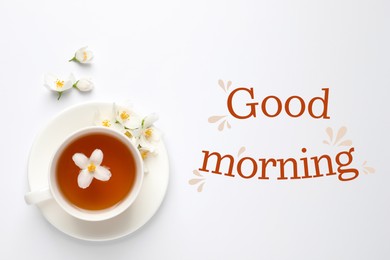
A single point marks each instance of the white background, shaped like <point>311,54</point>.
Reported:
<point>167,56</point>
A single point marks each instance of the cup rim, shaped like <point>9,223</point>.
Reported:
<point>104,214</point>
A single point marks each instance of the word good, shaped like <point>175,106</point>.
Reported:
<point>274,100</point>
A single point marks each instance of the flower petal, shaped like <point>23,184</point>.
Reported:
<point>137,132</point>
<point>143,142</point>
<point>80,160</point>
<point>134,122</point>
<point>149,120</point>
<point>72,78</point>
<point>125,115</point>
<point>130,135</point>
<point>84,179</point>
<point>151,135</point>
<point>102,118</point>
<point>67,85</point>
<point>118,127</point>
<point>49,80</point>
<point>102,173</point>
<point>96,157</point>
<point>147,152</point>
<point>58,84</point>
<point>89,55</point>
<point>82,49</point>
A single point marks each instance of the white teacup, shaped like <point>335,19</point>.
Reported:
<point>54,191</point>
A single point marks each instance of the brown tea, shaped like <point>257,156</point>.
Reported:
<point>100,194</point>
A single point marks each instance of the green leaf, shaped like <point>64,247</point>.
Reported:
<point>75,85</point>
<point>73,59</point>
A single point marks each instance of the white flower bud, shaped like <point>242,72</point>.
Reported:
<point>83,55</point>
<point>84,85</point>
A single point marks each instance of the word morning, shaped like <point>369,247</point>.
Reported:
<point>281,169</point>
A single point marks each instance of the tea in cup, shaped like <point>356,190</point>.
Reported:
<point>95,174</point>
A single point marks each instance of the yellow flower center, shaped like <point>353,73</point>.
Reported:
<point>106,123</point>
<point>91,167</point>
<point>144,154</point>
<point>148,132</point>
<point>128,134</point>
<point>124,115</point>
<point>85,56</point>
<point>59,83</point>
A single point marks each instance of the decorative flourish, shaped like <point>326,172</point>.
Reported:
<point>198,181</point>
<point>222,120</point>
<point>222,124</point>
<point>222,85</point>
<point>241,151</point>
<point>337,140</point>
<point>368,169</point>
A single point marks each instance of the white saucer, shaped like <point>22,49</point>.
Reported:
<point>148,201</point>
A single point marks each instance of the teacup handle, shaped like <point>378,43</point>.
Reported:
<point>34,197</point>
